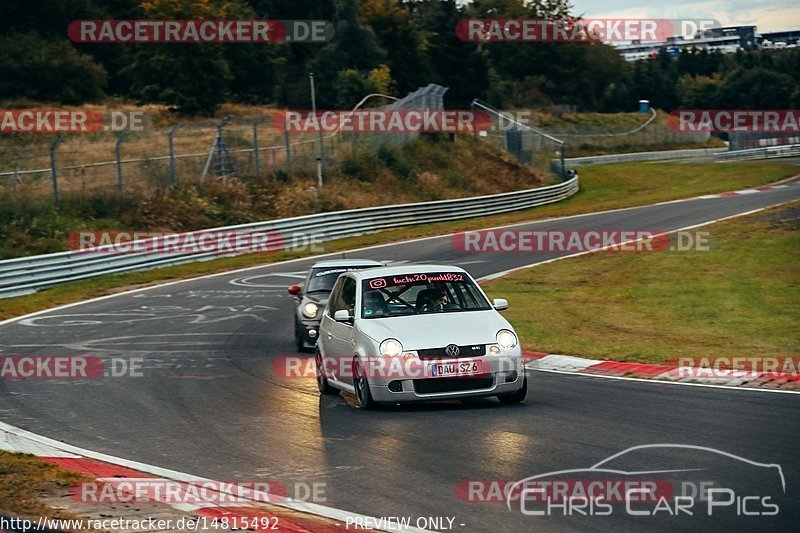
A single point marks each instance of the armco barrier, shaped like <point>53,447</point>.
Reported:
<point>767,152</point>
<point>28,274</point>
<point>643,156</point>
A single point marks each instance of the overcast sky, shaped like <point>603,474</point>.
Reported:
<point>768,15</point>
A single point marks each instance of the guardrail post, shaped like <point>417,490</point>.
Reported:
<point>288,149</point>
<point>54,170</point>
<point>256,160</point>
<point>218,148</point>
<point>321,142</point>
<point>117,149</point>
<point>173,178</point>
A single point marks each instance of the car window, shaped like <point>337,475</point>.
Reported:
<point>343,296</point>
<point>420,293</point>
<point>321,279</point>
<point>334,301</point>
<point>349,294</point>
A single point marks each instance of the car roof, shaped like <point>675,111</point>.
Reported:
<point>333,263</point>
<point>405,269</point>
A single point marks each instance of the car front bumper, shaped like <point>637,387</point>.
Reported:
<point>505,377</point>
<point>307,331</point>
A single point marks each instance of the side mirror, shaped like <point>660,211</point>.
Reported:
<point>342,315</point>
<point>295,290</point>
<point>500,304</point>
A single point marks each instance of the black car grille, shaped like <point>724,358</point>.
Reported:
<point>472,350</point>
<point>431,386</point>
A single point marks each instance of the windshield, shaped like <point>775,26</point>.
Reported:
<point>322,279</point>
<point>419,294</point>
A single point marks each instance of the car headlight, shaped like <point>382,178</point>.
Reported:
<point>391,348</point>
<point>506,338</point>
<point>310,310</point>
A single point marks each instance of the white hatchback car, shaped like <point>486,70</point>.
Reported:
<point>417,333</point>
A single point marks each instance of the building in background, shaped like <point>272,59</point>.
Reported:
<point>725,40</point>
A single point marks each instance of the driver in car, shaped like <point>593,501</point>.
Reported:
<point>374,304</point>
<point>440,301</point>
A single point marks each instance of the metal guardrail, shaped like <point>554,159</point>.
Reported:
<point>767,152</point>
<point>643,156</point>
<point>27,274</point>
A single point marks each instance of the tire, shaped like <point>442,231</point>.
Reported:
<point>515,397</point>
<point>322,382</point>
<point>361,385</point>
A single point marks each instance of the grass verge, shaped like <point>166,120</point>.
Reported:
<point>737,299</point>
<point>26,479</point>
<point>602,187</point>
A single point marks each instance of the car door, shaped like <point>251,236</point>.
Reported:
<point>338,336</point>
<point>327,321</point>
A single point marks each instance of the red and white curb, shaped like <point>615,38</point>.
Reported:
<point>754,190</point>
<point>304,517</point>
<point>684,375</point>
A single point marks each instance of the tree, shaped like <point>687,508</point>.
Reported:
<point>756,88</point>
<point>354,47</point>
<point>51,71</point>
<point>698,92</point>
<point>193,78</point>
<point>461,66</point>
<point>402,39</point>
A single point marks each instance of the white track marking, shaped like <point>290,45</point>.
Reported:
<point>17,436</point>
<point>662,382</point>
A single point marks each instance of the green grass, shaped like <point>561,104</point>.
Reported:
<point>25,479</point>
<point>602,187</point>
<point>430,168</point>
<point>737,299</point>
<point>584,133</point>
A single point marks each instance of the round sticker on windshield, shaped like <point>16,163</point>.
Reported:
<point>377,283</point>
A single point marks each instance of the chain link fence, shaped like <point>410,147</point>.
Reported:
<point>529,145</point>
<point>143,161</point>
<point>139,162</point>
<point>428,98</point>
<point>595,139</point>
<point>751,140</point>
<point>540,146</point>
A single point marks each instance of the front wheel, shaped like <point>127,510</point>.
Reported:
<point>361,385</point>
<point>322,382</point>
<point>515,397</point>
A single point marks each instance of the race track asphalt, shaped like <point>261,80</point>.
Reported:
<point>209,401</point>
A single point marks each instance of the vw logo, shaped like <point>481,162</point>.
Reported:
<point>452,350</point>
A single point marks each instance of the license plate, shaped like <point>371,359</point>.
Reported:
<point>455,368</point>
